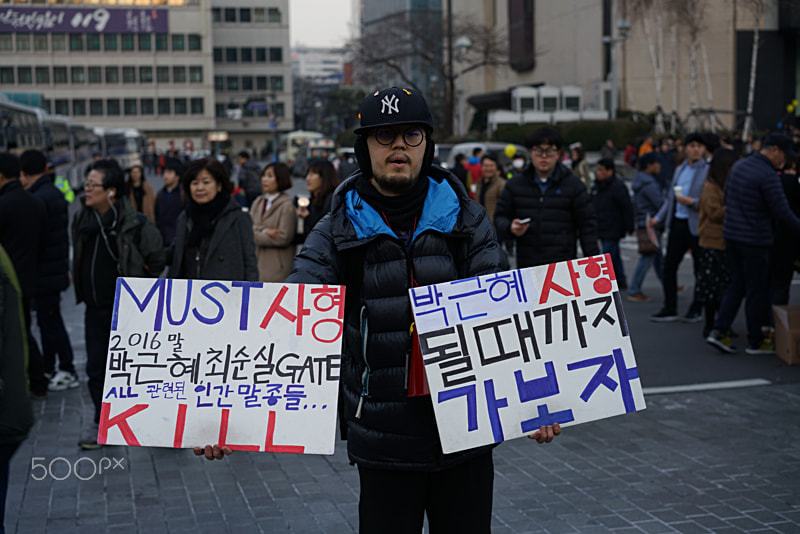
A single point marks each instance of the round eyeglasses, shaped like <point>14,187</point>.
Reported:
<point>411,136</point>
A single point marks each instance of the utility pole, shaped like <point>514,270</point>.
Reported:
<point>451,81</point>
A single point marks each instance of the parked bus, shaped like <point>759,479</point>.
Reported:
<point>20,127</point>
<point>126,145</point>
<point>296,143</point>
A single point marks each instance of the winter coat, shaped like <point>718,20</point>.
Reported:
<point>647,197</point>
<point>16,410</point>
<point>559,216</point>
<point>148,206</point>
<point>54,257</point>
<point>581,170</point>
<point>353,245</point>
<point>231,251</point>
<point>23,219</point>
<point>492,193</point>
<point>711,214</point>
<point>274,255</point>
<point>667,210</point>
<point>169,205</point>
<point>613,208</point>
<point>754,197</point>
<point>139,247</point>
<point>248,179</point>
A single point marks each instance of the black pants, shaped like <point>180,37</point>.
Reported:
<point>680,240</point>
<point>38,382</point>
<point>7,450</point>
<point>55,339</point>
<point>458,499</point>
<point>97,323</point>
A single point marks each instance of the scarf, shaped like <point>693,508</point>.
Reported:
<point>400,212</point>
<point>203,217</point>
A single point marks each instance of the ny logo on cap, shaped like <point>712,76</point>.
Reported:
<point>389,104</point>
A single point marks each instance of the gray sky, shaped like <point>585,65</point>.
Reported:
<point>324,23</point>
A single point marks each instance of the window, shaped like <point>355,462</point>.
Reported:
<point>95,74</point>
<point>145,42</point>
<point>197,106</point>
<point>549,103</point>
<point>40,42</point>
<point>79,107</point>
<point>47,105</point>
<point>177,42</point>
<point>7,75</point>
<point>146,74</point>
<point>112,107</point>
<point>261,55</point>
<point>572,103</point>
<point>180,106</point>
<point>93,42</point>
<point>23,42</point>
<point>216,14</point>
<point>247,55</point>
<point>247,83</point>
<point>59,41</point>
<point>217,55</point>
<point>162,74</point>
<point>232,83</point>
<point>276,83</point>
<point>110,42</point>
<point>129,106</point>
<point>230,14</point>
<point>128,74</point>
<point>126,42</point>
<point>261,83</point>
<point>77,75</point>
<point>163,106</point>
<point>59,74</point>
<point>274,15</point>
<point>275,54</point>
<point>259,15</point>
<point>43,75</point>
<point>6,44</point>
<point>219,83</point>
<point>24,75</point>
<point>162,42</point>
<point>96,107</point>
<point>62,106</point>
<point>244,14</point>
<point>231,55</point>
<point>147,106</point>
<point>195,42</point>
<point>179,74</point>
<point>112,74</point>
<point>75,42</point>
<point>196,74</point>
<point>526,103</point>
<point>277,109</point>
<point>219,111</point>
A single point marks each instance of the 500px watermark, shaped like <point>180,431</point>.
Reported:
<point>60,468</point>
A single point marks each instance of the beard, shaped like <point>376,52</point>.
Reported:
<point>395,184</point>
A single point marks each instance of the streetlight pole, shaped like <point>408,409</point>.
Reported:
<point>623,27</point>
<point>462,44</point>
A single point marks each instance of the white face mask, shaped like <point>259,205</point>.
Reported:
<point>518,163</point>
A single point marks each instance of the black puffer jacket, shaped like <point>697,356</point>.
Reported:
<point>613,207</point>
<point>561,215</point>
<point>54,258</point>
<point>353,246</point>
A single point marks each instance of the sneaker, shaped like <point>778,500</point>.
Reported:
<point>721,341</point>
<point>665,316</point>
<point>89,441</point>
<point>692,317</point>
<point>63,380</point>
<point>639,297</point>
<point>767,346</point>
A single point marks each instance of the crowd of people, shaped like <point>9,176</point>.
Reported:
<point>396,222</point>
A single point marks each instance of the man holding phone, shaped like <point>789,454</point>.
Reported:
<point>546,208</point>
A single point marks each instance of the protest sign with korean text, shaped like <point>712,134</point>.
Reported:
<point>248,365</point>
<point>509,352</point>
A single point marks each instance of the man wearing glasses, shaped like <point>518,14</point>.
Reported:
<point>546,208</point>
<point>398,223</point>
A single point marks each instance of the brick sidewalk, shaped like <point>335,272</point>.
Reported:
<point>718,461</point>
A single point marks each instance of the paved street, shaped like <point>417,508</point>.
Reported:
<point>716,460</point>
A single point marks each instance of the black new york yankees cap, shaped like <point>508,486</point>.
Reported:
<point>393,106</point>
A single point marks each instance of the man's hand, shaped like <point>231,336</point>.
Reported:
<point>545,434</point>
<point>652,222</point>
<point>213,452</point>
<point>518,228</point>
<point>683,199</point>
<point>274,233</point>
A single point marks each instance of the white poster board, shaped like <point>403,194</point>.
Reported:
<point>248,365</point>
<point>508,352</point>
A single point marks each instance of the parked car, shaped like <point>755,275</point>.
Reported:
<point>498,149</point>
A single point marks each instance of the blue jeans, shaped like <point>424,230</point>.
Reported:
<point>656,260</point>
<point>611,247</point>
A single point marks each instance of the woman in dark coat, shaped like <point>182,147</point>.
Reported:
<point>214,238</point>
<point>321,180</point>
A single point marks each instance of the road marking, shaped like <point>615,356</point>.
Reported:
<point>708,386</point>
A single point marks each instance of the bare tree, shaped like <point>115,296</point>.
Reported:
<point>691,14</point>
<point>756,8</point>
<point>651,14</point>
<point>409,47</point>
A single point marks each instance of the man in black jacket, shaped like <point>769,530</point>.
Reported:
<point>400,222</point>
<point>614,210</point>
<point>546,207</point>
<point>53,271</point>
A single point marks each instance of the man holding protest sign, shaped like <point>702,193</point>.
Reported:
<point>400,223</point>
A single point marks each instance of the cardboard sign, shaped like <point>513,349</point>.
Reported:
<point>248,365</point>
<point>509,352</point>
